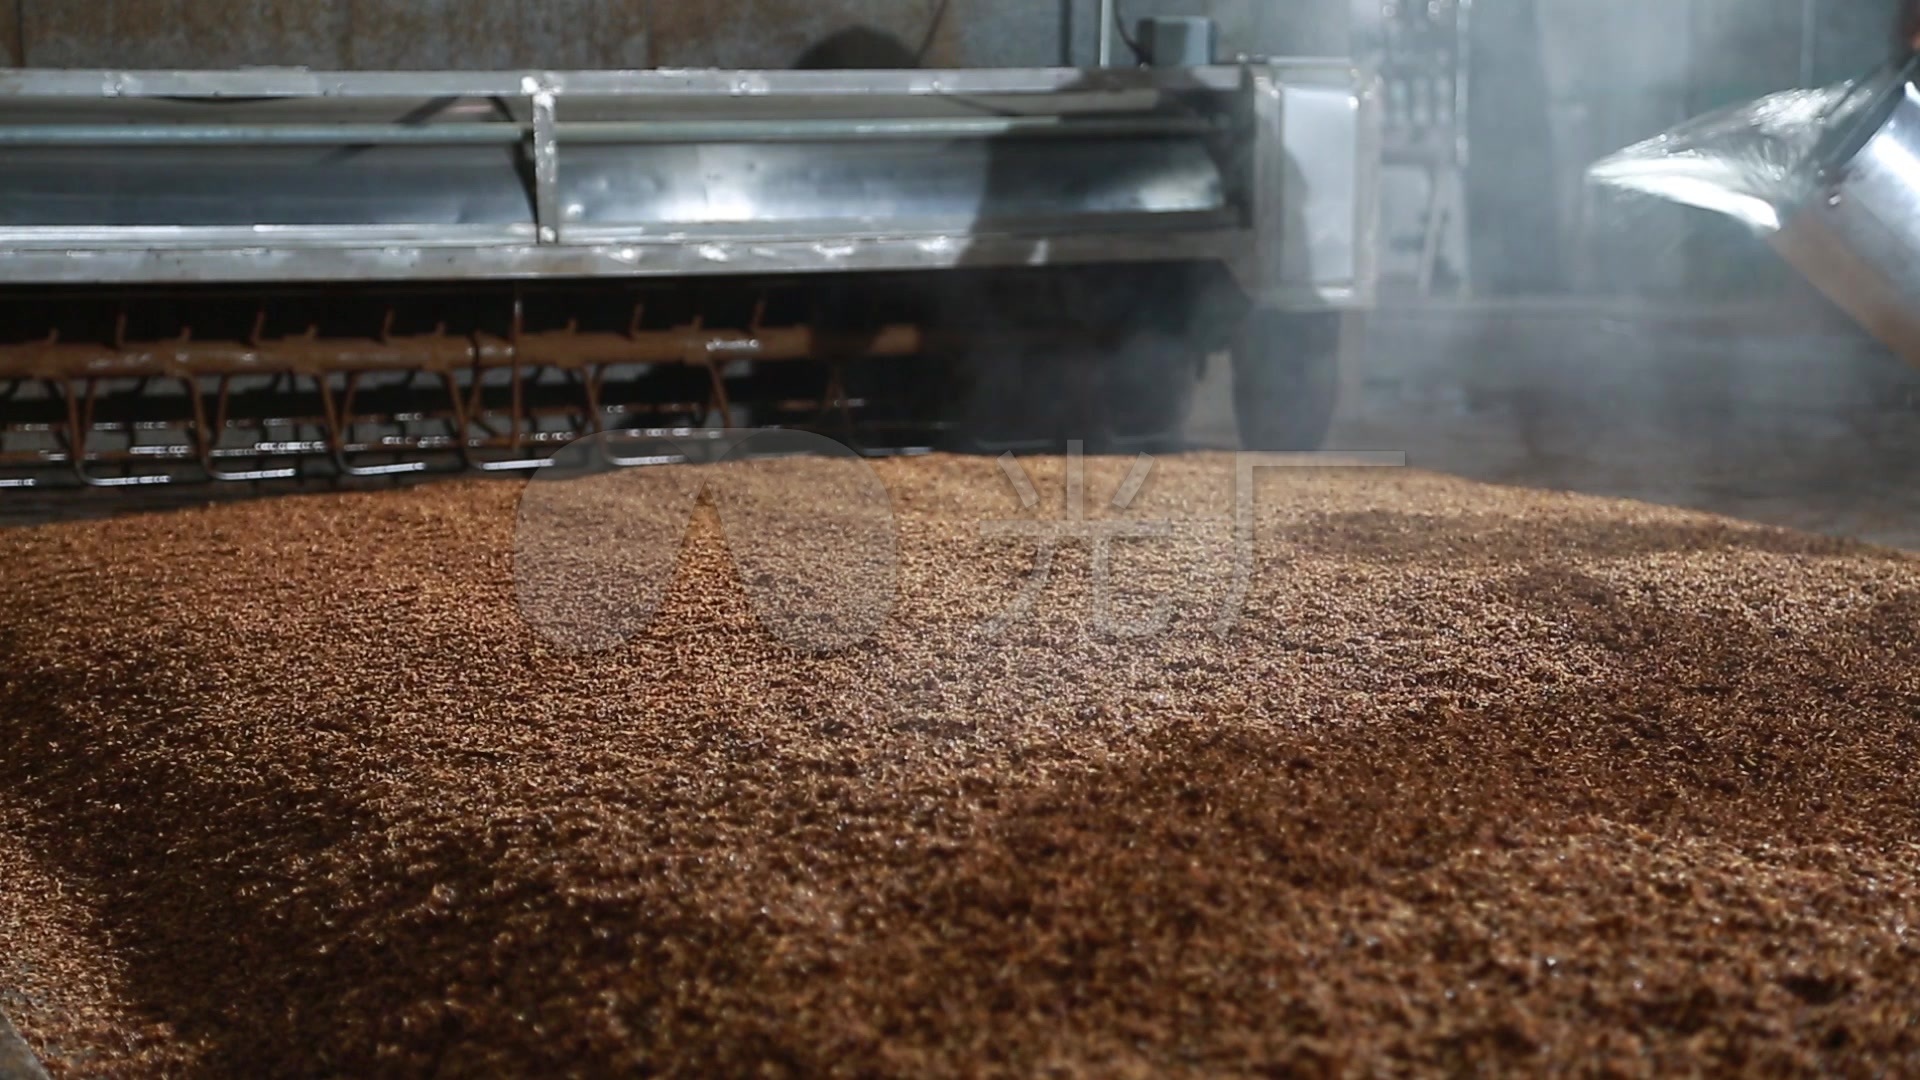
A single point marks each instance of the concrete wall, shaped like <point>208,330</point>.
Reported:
<point>598,33</point>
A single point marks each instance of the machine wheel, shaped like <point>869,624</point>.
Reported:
<point>1286,379</point>
<point>1108,357</point>
<point>1025,400</point>
<point>1149,386</point>
<point>1133,398</point>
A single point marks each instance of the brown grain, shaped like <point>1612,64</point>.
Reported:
<point>1483,777</point>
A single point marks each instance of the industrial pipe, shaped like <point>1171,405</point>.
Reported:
<point>1856,235</point>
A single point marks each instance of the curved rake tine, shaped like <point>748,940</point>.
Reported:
<point>617,461</point>
<point>82,423</point>
<point>590,386</point>
<point>215,431</point>
<point>336,437</point>
<point>518,427</point>
<point>458,421</point>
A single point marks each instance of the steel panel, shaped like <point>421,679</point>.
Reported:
<point>227,176</point>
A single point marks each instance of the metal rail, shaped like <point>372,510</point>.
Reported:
<point>1129,88</point>
<point>641,132</point>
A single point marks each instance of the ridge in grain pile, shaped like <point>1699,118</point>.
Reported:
<point>1481,778</point>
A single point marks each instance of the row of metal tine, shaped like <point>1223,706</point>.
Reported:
<point>336,368</point>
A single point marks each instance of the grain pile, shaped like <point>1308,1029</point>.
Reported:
<point>1482,777</point>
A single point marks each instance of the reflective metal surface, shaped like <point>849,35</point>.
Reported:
<point>1858,237</point>
<point>287,175</point>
